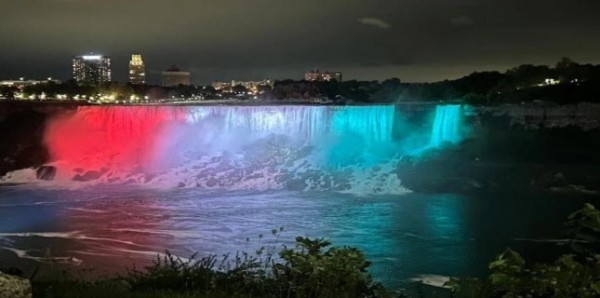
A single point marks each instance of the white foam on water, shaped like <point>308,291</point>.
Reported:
<point>181,234</point>
<point>77,235</point>
<point>87,210</point>
<point>433,280</point>
<point>149,254</point>
<point>24,254</point>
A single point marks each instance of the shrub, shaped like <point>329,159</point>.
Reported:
<point>311,269</point>
<point>571,275</point>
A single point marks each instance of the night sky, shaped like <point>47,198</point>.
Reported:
<point>414,40</point>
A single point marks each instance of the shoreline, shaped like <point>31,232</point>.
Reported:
<point>225,102</point>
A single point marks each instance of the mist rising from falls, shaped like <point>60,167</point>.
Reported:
<point>340,148</point>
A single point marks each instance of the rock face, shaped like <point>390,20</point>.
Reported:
<point>455,174</point>
<point>14,287</point>
<point>90,175</point>
<point>45,173</point>
<point>22,143</point>
<point>440,174</point>
<point>546,115</point>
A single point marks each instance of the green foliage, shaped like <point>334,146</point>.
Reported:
<point>311,269</point>
<point>571,275</point>
<point>584,230</point>
<point>173,273</point>
<point>506,271</point>
<point>109,289</point>
<point>314,269</point>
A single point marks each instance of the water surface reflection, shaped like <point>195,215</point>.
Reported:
<point>404,235</point>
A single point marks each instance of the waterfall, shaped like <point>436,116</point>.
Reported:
<point>372,123</point>
<point>446,125</point>
<point>300,147</point>
<point>299,121</point>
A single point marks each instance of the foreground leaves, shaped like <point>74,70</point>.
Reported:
<point>571,275</point>
<point>312,269</point>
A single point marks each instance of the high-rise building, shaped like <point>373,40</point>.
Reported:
<point>316,75</point>
<point>174,76</point>
<point>250,85</point>
<point>93,69</point>
<point>137,70</point>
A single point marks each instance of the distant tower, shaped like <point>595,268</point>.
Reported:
<point>93,69</point>
<point>174,76</point>
<point>137,70</point>
<point>325,76</point>
<point>337,76</point>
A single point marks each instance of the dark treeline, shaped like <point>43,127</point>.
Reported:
<point>566,82</point>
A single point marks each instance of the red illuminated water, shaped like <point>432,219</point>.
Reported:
<point>100,136</point>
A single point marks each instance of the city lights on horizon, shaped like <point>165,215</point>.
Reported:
<point>96,70</point>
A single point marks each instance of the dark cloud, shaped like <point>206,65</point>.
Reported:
<point>241,39</point>
<point>369,21</point>
<point>461,21</point>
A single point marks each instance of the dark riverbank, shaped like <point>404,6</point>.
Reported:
<point>557,153</point>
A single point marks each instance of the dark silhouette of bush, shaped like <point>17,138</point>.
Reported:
<point>571,275</point>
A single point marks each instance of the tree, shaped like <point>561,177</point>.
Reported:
<point>8,92</point>
<point>184,91</point>
<point>263,88</point>
<point>528,75</point>
<point>388,91</point>
<point>209,90</point>
<point>565,62</point>
<point>157,93</point>
<point>239,89</point>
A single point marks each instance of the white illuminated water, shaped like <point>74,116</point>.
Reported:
<point>304,122</point>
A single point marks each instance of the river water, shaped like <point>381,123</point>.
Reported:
<point>403,235</point>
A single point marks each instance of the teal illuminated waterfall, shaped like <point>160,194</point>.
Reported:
<point>446,125</point>
<point>372,124</point>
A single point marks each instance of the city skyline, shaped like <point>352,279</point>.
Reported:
<point>94,68</point>
<point>363,40</point>
<point>136,73</point>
